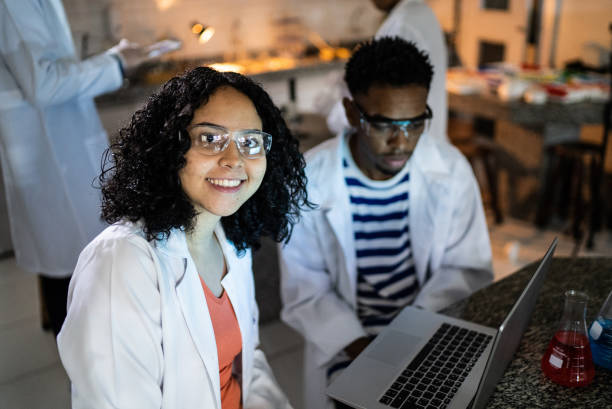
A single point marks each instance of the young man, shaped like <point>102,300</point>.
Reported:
<point>400,219</point>
<point>413,21</point>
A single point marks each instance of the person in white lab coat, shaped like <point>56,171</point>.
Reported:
<point>161,307</point>
<point>400,219</point>
<point>414,21</point>
<point>51,140</point>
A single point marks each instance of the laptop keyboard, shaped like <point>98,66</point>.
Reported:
<point>436,373</point>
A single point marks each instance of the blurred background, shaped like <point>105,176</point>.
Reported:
<point>527,89</point>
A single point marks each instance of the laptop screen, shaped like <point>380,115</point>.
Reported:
<point>511,331</point>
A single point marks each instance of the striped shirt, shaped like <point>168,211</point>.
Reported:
<point>386,278</point>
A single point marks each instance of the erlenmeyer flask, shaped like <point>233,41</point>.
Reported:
<point>568,359</point>
<point>600,335</point>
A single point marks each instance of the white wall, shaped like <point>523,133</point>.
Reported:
<point>583,31</point>
<point>492,25</point>
<point>444,11</point>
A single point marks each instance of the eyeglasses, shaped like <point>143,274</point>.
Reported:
<point>379,126</point>
<point>213,139</point>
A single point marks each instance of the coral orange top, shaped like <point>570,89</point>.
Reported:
<point>229,345</point>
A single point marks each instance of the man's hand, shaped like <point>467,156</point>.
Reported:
<point>357,346</point>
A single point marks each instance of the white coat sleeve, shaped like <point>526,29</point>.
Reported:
<point>264,391</point>
<point>311,304</point>
<point>466,261</point>
<point>111,341</point>
<point>46,74</point>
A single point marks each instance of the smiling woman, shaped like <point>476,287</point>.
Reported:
<point>163,300</point>
<point>141,182</point>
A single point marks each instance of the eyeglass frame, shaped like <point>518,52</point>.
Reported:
<point>267,139</point>
<point>398,124</point>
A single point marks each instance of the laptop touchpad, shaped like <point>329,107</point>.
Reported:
<point>393,347</point>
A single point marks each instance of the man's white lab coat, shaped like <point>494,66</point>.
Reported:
<point>138,332</point>
<point>448,235</point>
<point>51,139</point>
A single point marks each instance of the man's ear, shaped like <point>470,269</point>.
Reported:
<point>352,114</point>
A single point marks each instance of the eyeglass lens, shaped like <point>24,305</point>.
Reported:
<point>387,130</point>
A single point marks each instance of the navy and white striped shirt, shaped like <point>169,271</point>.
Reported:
<point>386,278</point>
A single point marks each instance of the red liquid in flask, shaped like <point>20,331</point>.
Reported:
<point>568,359</point>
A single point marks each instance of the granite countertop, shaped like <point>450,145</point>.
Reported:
<point>523,384</point>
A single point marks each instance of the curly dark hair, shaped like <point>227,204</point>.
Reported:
<point>140,179</point>
<point>387,61</point>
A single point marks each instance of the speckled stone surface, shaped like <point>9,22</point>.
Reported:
<point>523,384</point>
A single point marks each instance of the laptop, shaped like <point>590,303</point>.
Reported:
<point>427,360</point>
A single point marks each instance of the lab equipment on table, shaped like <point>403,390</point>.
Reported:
<point>568,359</point>
<point>600,335</point>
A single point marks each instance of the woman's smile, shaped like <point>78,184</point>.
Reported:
<point>226,185</point>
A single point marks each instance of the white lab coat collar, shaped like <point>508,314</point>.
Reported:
<point>428,173</point>
<point>427,158</point>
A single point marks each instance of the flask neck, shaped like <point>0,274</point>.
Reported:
<point>574,313</point>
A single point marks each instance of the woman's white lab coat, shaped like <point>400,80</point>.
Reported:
<point>51,139</point>
<point>138,333</point>
<point>448,235</point>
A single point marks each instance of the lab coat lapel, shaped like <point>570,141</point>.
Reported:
<point>233,283</point>
<point>421,224</point>
<point>337,212</point>
<point>343,232</point>
<point>195,310</point>
<point>428,200</point>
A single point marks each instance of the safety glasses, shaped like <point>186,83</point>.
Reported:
<point>383,127</point>
<point>212,139</point>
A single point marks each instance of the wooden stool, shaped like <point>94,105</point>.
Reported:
<point>586,164</point>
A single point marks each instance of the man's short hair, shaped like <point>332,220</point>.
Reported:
<point>387,61</point>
